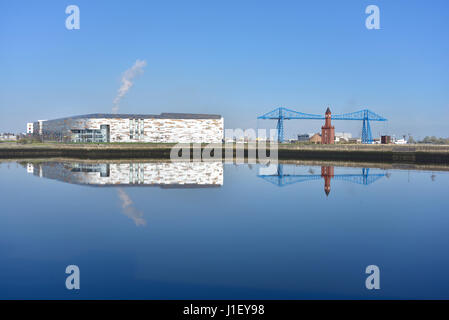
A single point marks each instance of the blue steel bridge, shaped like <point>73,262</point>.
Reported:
<point>282,179</point>
<point>365,115</point>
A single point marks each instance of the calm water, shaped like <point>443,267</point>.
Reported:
<point>213,231</point>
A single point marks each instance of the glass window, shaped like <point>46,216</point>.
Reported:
<point>136,129</point>
<point>90,135</point>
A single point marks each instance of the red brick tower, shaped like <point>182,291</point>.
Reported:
<point>327,131</point>
<point>327,173</point>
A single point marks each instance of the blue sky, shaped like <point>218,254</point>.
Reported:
<point>235,58</point>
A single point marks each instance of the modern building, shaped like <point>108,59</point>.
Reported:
<point>163,128</point>
<point>328,131</point>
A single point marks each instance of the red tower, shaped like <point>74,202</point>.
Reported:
<point>327,131</point>
<point>327,173</point>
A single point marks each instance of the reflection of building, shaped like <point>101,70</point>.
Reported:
<point>164,174</point>
<point>327,173</point>
<point>276,175</point>
<point>327,131</point>
<point>164,128</point>
<point>30,168</point>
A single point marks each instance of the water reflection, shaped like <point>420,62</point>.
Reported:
<point>275,174</point>
<point>163,174</point>
<point>246,240</point>
<point>181,175</point>
<point>129,210</point>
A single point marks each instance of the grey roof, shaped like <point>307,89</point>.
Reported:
<point>145,116</point>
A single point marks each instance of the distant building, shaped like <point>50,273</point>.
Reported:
<point>355,140</point>
<point>303,137</point>
<point>40,126</point>
<point>30,127</point>
<point>8,137</point>
<point>400,141</point>
<point>316,138</point>
<point>327,131</point>
<point>163,128</point>
<point>385,139</point>
<point>342,136</point>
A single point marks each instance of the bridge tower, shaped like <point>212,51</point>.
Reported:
<point>327,131</point>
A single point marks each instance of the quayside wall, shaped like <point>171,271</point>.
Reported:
<point>413,154</point>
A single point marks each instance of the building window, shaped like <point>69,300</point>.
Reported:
<point>136,173</point>
<point>91,135</point>
<point>136,129</point>
<point>102,168</point>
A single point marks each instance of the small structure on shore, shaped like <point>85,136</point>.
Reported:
<point>328,131</point>
<point>316,138</point>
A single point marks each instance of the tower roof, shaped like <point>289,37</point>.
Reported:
<point>328,110</point>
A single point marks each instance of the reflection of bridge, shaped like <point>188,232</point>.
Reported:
<point>327,173</point>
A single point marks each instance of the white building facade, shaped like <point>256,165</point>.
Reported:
<point>163,128</point>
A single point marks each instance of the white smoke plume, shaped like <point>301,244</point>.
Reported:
<point>129,210</point>
<point>127,82</point>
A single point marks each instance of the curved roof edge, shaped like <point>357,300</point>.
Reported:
<point>144,116</point>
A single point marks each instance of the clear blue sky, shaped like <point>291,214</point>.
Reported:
<point>235,58</point>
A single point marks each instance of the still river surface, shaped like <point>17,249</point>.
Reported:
<point>155,230</point>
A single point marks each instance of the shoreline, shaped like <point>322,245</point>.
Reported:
<point>237,161</point>
<point>379,154</point>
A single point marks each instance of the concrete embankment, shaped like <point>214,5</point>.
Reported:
<point>415,154</point>
<point>412,154</point>
<point>86,151</point>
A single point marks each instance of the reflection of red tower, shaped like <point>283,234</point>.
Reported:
<point>327,131</point>
<point>327,173</point>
